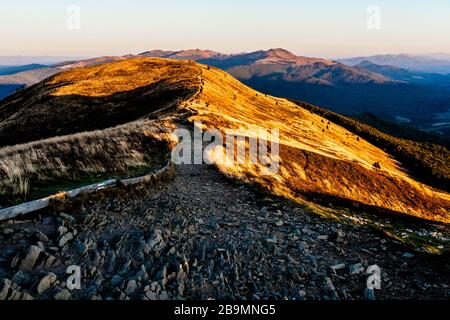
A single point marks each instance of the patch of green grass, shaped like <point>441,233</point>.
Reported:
<point>44,190</point>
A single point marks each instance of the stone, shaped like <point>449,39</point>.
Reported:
<point>50,262</point>
<point>146,249</point>
<point>181,287</point>
<point>156,242</point>
<point>338,266</point>
<point>339,236</point>
<point>329,289</point>
<point>62,230</point>
<point>81,247</point>
<point>11,291</point>
<point>26,296</point>
<point>162,275</point>
<point>131,287</point>
<point>28,264</point>
<point>46,282</point>
<point>214,225</point>
<point>65,239</point>
<point>8,231</point>
<point>142,276</point>
<point>153,291</point>
<point>5,287</point>
<point>408,255</point>
<point>123,296</point>
<point>151,295</point>
<point>356,268</point>
<point>21,278</point>
<point>41,237</point>
<point>272,240</point>
<point>125,268</point>
<point>163,295</point>
<point>63,295</point>
<point>67,217</point>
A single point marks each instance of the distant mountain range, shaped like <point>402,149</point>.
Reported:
<point>418,99</point>
<point>389,86</point>
<point>437,63</point>
<point>26,60</point>
<point>5,70</point>
<point>405,75</point>
<point>276,64</point>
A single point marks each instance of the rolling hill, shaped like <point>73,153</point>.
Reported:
<point>148,97</point>
<point>191,54</point>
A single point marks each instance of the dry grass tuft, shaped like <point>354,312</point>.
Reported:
<point>28,167</point>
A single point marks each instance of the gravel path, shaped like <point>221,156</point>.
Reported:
<point>203,236</point>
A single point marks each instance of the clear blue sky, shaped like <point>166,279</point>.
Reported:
<point>315,28</point>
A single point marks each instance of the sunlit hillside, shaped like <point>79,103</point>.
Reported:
<point>317,157</point>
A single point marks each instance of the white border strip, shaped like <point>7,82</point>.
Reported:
<point>24,208</point>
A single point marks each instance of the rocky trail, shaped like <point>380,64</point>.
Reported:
<point>201,236</point>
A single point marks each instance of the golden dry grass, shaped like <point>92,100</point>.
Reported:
<point>128,75</point>
<point>317,157</point>
<point>26,168</point>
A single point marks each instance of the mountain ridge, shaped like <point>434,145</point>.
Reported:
<point>318,157</point>
<point>331,84</point>
<point>421,63</point>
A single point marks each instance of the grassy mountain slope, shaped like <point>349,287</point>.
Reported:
<point>93,98</point>
<point>318,158</point>
<point>427,161</point>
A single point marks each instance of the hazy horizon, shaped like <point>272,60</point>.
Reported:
<point>51,58</point>
<point>325,28</point>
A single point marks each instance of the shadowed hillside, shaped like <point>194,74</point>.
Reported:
<point>94,98</point>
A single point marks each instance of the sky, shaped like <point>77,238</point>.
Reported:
<point>323,28</point>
